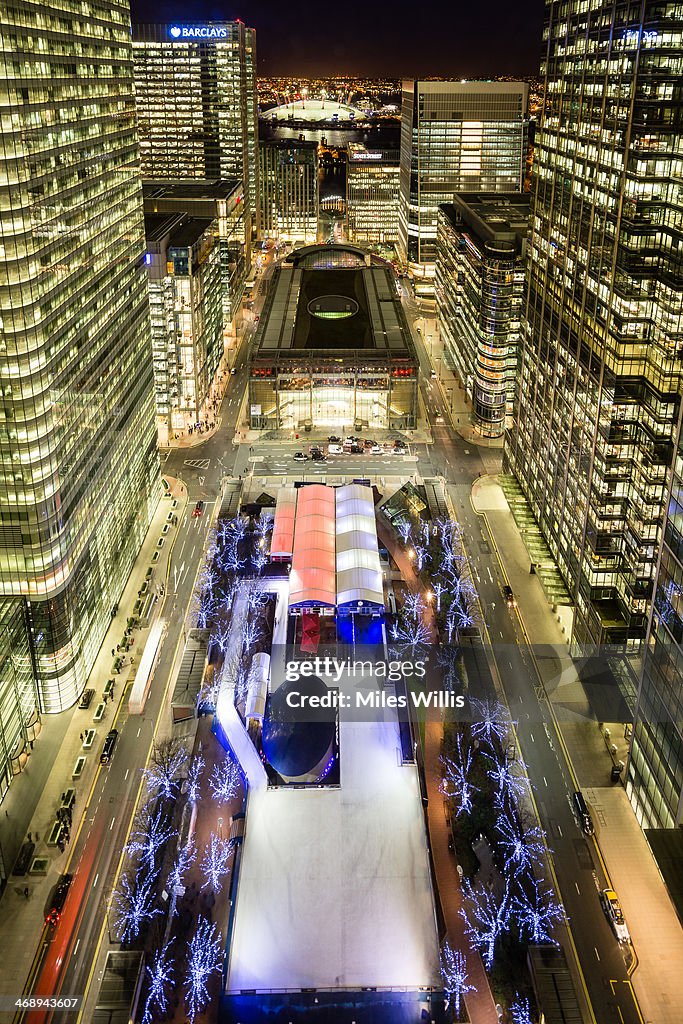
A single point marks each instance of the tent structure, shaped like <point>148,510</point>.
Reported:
<point>359,573</point>
<point>312,579</point>
<point>282,544</point>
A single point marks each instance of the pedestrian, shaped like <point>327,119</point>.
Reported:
<point>118,648</point>
<point>81,737</point>
<point>113,652</point>
<point>29,837</point>
<point>26,892</point>
<point>6,813</point>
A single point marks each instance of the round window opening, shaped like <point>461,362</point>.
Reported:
<point>332,307</point>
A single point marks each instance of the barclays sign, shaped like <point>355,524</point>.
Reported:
<point>198,32</point>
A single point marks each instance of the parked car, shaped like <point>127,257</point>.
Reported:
<point>510,599</point>
<point>314,448</point>
<point>356,449</point>
<point>612,908</point>
<point>582,813</point>
<point>58,899</point>
<point>198,509</point>
<point>318,456</point>
<point>376,449</point>
<point>334,439</point>
<point>335,449</point>
<point>300,457</point>
<point>109,745</point>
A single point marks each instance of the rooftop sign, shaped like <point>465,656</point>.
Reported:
<point>198,32</point>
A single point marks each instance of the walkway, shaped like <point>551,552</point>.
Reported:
<point>480,1003</point>
<point>628,861</point>
<point>34,796</point>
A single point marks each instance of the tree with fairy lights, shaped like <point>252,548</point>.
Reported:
<point>225,779</point>
<point>537,911</point>
<point>134,903</point>
<point>490,721</point>
<point>455,780</point>
<point>411,633</point>
<point>520,1011</point>
<point>160,978</point>
<point>214,863</point>
<point>486,916</point>
<point>151,833</point>
<point>194,775</point>
<point>455,977</point>
<point>205,957</point>
<point>185,858</point>
<point>165,768</point>
<point>509,781</point>
<point>523,848</point>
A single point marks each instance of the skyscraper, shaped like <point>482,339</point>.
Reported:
<point>479,292</point>
<point>372,194</point>
<point>77,437</point>
<point>599,390</point>
<point>195,89</point>
<point>289,189</point>
<point>455,137</point>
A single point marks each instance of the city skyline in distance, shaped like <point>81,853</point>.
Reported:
<point>478,40</point>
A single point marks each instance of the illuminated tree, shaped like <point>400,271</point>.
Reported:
<point>153,830</point>
<point>403,528</point>
<point>133,903</point>
<point>205,956</point>
<point>486,917</point>
<point>411,634</point>
<point>523,848</point>
<point>252,633</point>
<point>536,911</point>
<point>259,560</point>
<point>413,605</point>
<point>455,780</point>
<point>520,1011</point>
<point>263,524</point>
<point>193,776</point>
<point>185,858</point>
<point>490,721</point>
<point>214,863</point>
<point>455,977</point>
<point>166,765</point>
<point>225,779</point>
<point>508,780</point>
<point>160,977</point>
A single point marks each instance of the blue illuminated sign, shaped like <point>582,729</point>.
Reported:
<point>198,32</point>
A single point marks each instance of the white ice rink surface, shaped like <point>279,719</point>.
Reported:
<point>334,887</point>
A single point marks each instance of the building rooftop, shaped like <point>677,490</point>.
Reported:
<point>194,188</point>
<point>312,305</point>
<point>491,216</point>
<point>289,143</point>
<point>180,229</point>
<point>334,886</point>
<point>316,110</point>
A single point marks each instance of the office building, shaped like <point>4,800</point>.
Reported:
<point>289,189</point>
<point>19,707</point>
<point>479,292</point>
<point>77,441</point>
<point>195,94</point>
<point>333,347</point>
<point>655,768</point>
<point>185,293</point>
<point>372,195</point>
<point>222,202</point>
<point>592,445</point>
<point>455,137</point>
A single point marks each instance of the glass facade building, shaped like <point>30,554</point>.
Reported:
<point>479,294</point>
<point>186,302</point>
<point>80,473</point>
<point>593,442</point>
<point>196,101</point>
<point>372,195</point>
<point>455,137</point>
<point>655,768</point>
<point>289,189</point>
<point>19,702</point>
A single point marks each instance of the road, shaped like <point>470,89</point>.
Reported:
<point>64,963</point>
<point>66,954</point>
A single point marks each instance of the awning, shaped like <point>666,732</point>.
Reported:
<point>312,580</point>
<point>359,573</point>
<point>282,544</point>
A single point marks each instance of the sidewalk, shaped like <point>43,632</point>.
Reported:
<point>480,1003</point>
<point>655,929</point>
<point>35,795</point>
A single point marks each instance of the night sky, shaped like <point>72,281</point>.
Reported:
<point>462,38</point>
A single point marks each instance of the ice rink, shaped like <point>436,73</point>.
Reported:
<point>334,888</point>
